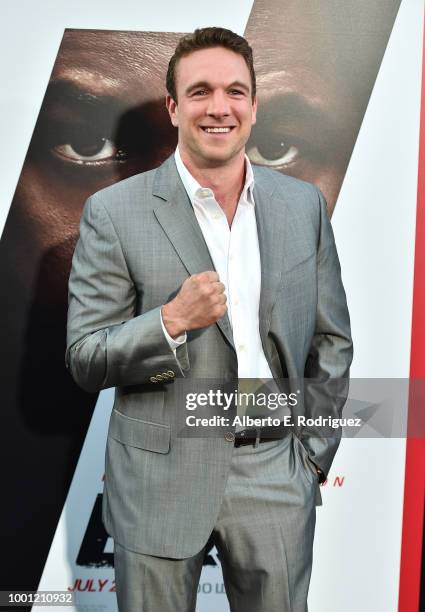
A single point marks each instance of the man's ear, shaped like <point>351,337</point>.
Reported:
<point>172,110</point>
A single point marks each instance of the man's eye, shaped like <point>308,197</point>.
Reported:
<point>273,154</point>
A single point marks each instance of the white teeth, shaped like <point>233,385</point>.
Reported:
<point>217,130</point>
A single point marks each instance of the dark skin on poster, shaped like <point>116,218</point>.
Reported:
<point>103,119</point>
<point>316,63</point>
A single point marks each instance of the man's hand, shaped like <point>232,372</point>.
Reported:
<point>199,303</point>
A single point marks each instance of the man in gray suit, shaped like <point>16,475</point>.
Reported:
<point>209,269</point>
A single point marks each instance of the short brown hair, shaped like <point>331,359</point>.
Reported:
<point>205,38</point>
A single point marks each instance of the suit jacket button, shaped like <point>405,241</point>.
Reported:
<point>153,379</point>
<point>165,375</point>
<point>170,373</point>
<point>229,436</point>
<point>159,377</point>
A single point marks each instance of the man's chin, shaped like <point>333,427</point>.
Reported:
<point>216,157</point>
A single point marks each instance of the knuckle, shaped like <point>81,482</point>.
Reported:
<point>208,289</point>
<point>219,311</point>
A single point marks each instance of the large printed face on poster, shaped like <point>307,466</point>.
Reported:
<point>103,118</point>
<point>316,63</point>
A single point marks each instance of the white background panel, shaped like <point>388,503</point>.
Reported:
<point>359,532</point>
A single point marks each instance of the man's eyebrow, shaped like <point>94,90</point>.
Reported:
<point>206,85</point>
<point>200,84</point>
<point>239,85</point>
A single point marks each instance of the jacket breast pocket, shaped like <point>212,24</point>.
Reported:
<point>137,433</point>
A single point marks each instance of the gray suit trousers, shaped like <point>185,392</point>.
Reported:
<point>264,535</point>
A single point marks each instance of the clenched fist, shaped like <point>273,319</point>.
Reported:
<point>199,303</point>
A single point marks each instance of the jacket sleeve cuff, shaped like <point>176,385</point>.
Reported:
<point>174,343</point>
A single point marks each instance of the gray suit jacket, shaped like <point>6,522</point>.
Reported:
<point>139,240</point>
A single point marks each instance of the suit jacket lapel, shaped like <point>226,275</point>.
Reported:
<point>177,218</point>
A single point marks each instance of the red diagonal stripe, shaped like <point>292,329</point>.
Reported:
<point>414,485</point>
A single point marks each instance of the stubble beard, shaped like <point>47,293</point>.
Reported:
<point>217,158</point>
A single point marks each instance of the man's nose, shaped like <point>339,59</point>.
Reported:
<point>218,105</point>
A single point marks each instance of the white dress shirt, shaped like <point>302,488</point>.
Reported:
<point>236,256</point>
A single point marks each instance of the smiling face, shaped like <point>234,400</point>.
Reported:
<point>103,116</point>
<point>215,109</point>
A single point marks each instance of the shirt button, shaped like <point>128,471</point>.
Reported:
<point>236,301</point>
<point>241,347</point>
<point>229,436</point>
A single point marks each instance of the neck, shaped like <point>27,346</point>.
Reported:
<point>226,181</point>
